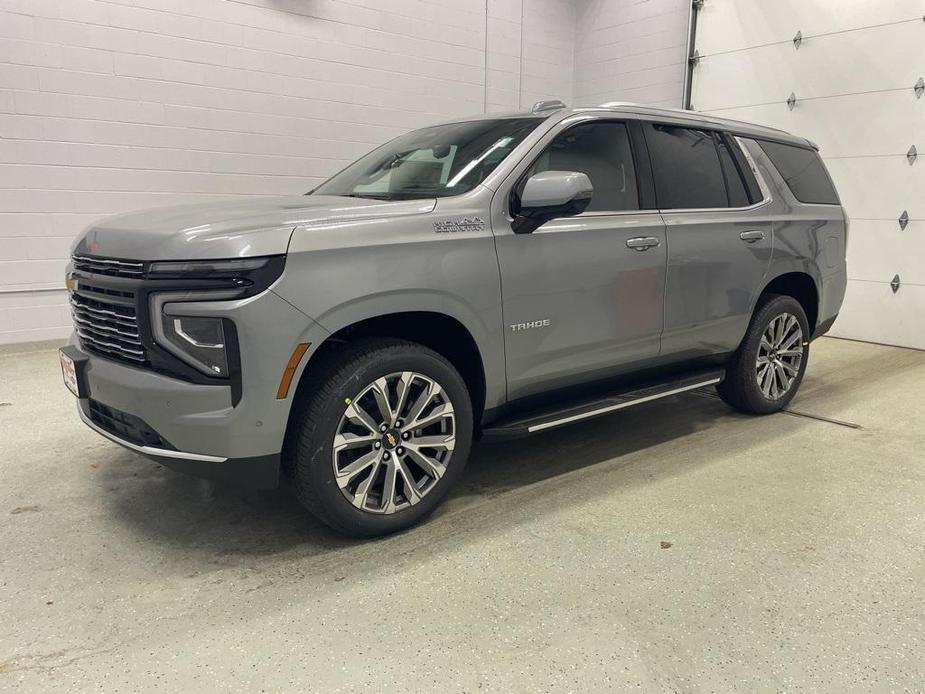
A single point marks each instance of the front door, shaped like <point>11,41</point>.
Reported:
<point>583,296</point>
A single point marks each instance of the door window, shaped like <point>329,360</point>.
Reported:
<point>601,150</point>
<point>686,166</point>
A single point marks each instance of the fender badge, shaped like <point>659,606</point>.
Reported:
<point>464,224</point>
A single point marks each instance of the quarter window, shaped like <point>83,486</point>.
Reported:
<point>735,186</point>
<point>686,166</point>
<point>602,150</point>
<point>751,183</point>
<point>803,171</point>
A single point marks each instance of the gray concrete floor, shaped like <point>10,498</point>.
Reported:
<point>795,558</point>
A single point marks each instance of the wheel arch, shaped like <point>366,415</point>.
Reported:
<point>441,332</point>
<point>800,285</point>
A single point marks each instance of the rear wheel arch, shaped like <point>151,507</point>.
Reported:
<point>799,285</point>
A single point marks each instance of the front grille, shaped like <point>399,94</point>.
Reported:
<point>126,426</point>
<point>108,266</point>
<point>107,327</point>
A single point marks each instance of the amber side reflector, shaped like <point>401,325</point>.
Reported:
<point>291,366</point>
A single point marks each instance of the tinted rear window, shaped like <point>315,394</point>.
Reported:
<point>803,171</point>
<point>686,165</point>
<point>738,193</point>
<point>751,183</point>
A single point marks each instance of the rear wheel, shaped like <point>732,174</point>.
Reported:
<point>767,369</point>
<point>383,437</point>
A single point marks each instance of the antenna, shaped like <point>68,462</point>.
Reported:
<point>547,105</point>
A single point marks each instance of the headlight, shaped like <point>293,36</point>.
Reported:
<point>206,268</point>
<point>202,341</point>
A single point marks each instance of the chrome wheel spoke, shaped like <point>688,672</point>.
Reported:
<point>432,467</point>
<point>439,413</point>
<point>347,440</point>
<point>380,392</point>
<point>793,335</point>
<point>387,502</point>
<point>404,386</point>
<point>764,380</point>
<point>780,381</point>
<point>788,370</point>
<point>361,496</point>
<point>779,332</point>
<point>411,490</point>
<point>350,472</point>
<point>444,441</point>
<point>360,416</point>
<point>424,399</point>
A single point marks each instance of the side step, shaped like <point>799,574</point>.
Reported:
<point>576,411</point>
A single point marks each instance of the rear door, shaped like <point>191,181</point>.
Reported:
<point>719,237</point>
<point>583,296</point>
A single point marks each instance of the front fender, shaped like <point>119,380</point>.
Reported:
<point>458,278</point>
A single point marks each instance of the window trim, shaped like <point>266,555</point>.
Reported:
<point>641,180</point>
<point>762,184</point>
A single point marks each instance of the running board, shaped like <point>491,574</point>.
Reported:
<point>549,418</point>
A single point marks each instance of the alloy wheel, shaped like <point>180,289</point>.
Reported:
<point>780,354</point>
<point>394,441</point>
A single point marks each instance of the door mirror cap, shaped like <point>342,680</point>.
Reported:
<point>552,194</point>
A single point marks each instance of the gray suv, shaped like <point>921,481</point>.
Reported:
<point>492,277</point>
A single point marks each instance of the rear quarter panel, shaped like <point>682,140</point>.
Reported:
<point>807,238</point>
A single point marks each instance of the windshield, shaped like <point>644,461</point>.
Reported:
<point>432,162</point>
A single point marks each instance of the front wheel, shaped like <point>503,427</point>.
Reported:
<point>767,369</point>
<point>382,439</point>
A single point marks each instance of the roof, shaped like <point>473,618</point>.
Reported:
<point>694,117</point>
<point>550,108</point>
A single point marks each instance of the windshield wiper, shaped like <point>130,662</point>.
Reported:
<point>370,196</point>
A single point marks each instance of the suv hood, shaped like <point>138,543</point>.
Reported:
<point>232,228</point>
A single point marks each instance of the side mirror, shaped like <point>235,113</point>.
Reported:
<point>552,194</point>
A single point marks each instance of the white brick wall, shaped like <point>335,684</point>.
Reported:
<point>112,105</point>
<point>631,50</point>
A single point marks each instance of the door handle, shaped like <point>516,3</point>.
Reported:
<point>642,243</point>
<point>752,236</point>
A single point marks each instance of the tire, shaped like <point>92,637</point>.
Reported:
<point>343,401</point>
<point>759,388</point>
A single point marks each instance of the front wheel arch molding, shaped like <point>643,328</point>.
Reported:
<point>442,332</point>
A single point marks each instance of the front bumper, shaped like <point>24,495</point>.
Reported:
<point>260,472</point>
<point>198,429</point>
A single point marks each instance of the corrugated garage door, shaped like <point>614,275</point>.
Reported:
<point>852,67</point>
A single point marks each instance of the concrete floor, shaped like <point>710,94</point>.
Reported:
<point>795,561</point>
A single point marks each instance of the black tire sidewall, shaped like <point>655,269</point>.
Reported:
<point>313,465</point>
<point>754,399</point>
